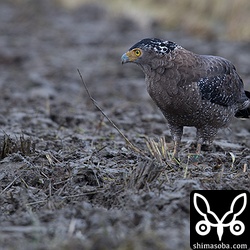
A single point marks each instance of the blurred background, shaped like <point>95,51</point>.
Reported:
<point>214,19</point>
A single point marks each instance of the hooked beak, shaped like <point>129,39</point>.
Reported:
<point>124,58</point>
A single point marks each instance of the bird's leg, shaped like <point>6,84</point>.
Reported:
<point>199,140</point>
<point>204,135</point>
<point>176,134</point>
<point>195,158</point>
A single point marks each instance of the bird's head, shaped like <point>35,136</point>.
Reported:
<point>146,50</point>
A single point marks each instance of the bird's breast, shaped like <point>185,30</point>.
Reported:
<point>173,96</point>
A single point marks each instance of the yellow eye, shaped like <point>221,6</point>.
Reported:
<point>137,52</point>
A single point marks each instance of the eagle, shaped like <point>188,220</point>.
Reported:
<point>201,91</point>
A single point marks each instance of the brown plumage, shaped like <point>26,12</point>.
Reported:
<point>201,91</point>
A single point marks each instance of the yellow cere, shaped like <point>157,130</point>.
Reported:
<point>134,54</point>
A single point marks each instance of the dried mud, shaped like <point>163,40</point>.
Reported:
<point>67,178</point>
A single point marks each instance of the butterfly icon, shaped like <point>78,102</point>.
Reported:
<point>203,227</point>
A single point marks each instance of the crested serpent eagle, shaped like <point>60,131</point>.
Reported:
<point>201,91</point>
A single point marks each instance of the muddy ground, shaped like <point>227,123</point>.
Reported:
<point>67,178</point>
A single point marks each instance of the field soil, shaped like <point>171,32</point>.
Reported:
<point>68,178</point>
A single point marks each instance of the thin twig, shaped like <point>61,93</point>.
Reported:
<point>10,184</point>
<point>82,194</point>
<point>111,122</point>
<point>23,229</point>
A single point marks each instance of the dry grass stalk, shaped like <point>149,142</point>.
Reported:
<point>145,173</point>
<point>10,184</point>
<point>106,116</point>
<point>23,145</point>
<point>159,150</point>
<point>245,168</point>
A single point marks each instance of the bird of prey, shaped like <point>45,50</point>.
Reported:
<point>200,91</point>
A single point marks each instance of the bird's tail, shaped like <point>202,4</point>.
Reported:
<point>244,113</point>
